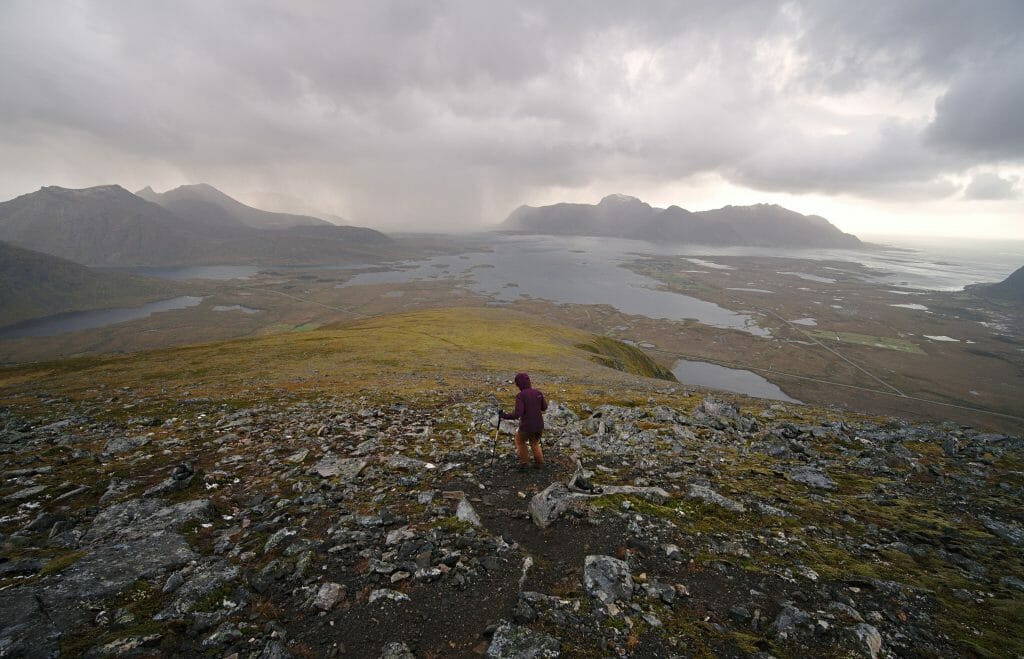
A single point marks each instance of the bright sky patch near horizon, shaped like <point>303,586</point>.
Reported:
<point>899,117</point>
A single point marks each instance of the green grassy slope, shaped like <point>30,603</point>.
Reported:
<point>472,348</point>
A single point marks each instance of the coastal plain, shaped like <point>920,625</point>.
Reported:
<point>826,332</point>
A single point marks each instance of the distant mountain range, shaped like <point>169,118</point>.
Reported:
<point>190,225</point>
<point>621,216</point>
<point>205,203</point>
<point>1011,288</point>
<point>36,284</point>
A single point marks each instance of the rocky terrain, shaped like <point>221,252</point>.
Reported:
<point>671,523</point>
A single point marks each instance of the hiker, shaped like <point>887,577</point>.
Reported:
<point>530,404</point>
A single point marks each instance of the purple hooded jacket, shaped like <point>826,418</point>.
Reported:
<point>530,404</point>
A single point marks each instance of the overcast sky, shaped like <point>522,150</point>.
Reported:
<point>886,116</point>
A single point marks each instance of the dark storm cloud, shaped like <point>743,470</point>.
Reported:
<point>982,114</point>
<point>454,112</point>
<point>992,187</point>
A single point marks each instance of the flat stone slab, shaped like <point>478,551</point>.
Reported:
<point>27,493</point>
<point>124,444</point>
<point>707,495</point>
<point>344,468</point>
<point>813,477</point>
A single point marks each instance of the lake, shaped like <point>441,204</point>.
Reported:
<point>574,270</point>
<point>735,380</point>
<point>82,320</point>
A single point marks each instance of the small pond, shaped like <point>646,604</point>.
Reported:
<point>728,379</point>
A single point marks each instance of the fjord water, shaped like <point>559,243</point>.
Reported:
<point>81,320</point>
<point>572,270</point>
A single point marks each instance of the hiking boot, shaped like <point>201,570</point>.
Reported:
<point>523,467</point>
<point>538,465</point>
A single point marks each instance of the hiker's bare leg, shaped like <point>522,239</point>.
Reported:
<point>538,454</point>
<point>524,457</point>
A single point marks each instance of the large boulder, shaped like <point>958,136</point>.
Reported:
<point>607,578</point>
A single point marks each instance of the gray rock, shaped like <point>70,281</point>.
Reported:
<point>225,635</point>
<point>1008,531</point>
<point>399,535</point>
<point>43,522</point>
<point>607,578</point>
<point>126,647</point>
<point>144,530</point>
<point>652,494</point>
<point>707,495</point>
<point>328,595</point>
<point>388,594</point>
<point>117,487</point>
<point>274,650</point>
<point>813,477</point>
<point>124,445</point>
<point>396,650</point>
<point>403,463</point>
<point>204,580</point>
<point>789,618</point>
<point>514,642</point>
<point>181,477</point>
<point>553,502</point>
<point>866,640</point>
<point>25,630</point>
<point>139,519</point>
<point>1012,582</point>
<point>298,456</point>
<point>769,510</point>
<point>173,583</point>
<point>27,493</point>
<point>279,537</point>
<point>716,408</point>
<point>346,469</point>
<point>557,499</point>
<point>466,513</point>
<point>21,566</point>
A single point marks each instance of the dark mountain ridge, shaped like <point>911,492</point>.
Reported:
<point>621,216</point>
<point>206,204</point>
<point>33,284</point>
<point>109,226</point>
<point>103,225</point>
<point>1011,288</point>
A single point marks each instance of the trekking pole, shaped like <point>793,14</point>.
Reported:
<point>494,444</point>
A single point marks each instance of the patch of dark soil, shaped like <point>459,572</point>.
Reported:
<point>437,621</point>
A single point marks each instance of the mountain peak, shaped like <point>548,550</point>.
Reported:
<point>620,199</point>
<point>203,203</point>
<point>623,216</point>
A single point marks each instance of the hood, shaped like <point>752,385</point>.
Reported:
<point>522,381</point>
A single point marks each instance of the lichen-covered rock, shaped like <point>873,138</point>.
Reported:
<point>607,578</point>
<point>707,495</point>
<point>515,642</point>
<point>813,477</point>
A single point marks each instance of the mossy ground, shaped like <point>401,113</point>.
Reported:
<point>433,358</point>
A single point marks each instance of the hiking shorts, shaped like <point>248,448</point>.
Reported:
<point>531,437</point>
